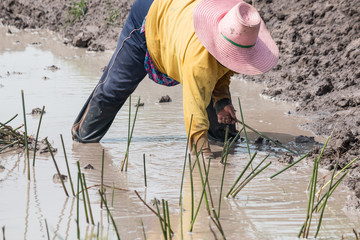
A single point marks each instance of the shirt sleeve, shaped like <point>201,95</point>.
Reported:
<point>221,94</point>
<point>200,75</point>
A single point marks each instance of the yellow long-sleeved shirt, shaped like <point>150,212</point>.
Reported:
<point>176,51</point>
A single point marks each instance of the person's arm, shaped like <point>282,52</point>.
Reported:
<point>222,101</point>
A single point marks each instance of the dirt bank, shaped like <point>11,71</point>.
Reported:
<point>318,69</point>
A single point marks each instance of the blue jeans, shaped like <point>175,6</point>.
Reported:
<point>120,78</point>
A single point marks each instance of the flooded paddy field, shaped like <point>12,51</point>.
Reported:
<point>61,78</point>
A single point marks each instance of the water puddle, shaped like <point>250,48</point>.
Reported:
<point>264,209</point>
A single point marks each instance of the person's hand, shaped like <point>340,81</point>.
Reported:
<point>227,115</point>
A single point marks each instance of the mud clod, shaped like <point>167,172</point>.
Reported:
<point>165,99</point>
<point>56,178</point>
<point>89,166</point>
<point>287,158</point>
<point>36,111</point>
<point>52,68</point>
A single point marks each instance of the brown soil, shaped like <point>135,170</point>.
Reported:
<point>319,44</point>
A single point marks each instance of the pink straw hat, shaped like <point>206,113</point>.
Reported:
<point>234,33</point>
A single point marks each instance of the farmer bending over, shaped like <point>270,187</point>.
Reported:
<point>199,44</point>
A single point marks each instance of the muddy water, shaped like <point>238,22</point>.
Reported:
<point>263,210</point>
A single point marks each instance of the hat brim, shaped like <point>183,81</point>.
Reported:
<point>251,61</point>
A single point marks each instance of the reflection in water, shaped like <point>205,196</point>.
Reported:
<point>37,203</point>
<point>264,209</point>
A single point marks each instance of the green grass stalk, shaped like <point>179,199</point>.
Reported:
<point>343,169</point>
<point>225,144</point>
<point>241,174</point>
<point>268,138</point>
<point>26,136</point>
<point>325,201</point>
<point>83,192</point>
<point>112,195</point>
<point>11,119</point>
<point>312,192</point>
<point>56,166</point>
<point>286,168</point>
<point>191,188</point>
<point>223,177</point>
<point>102,175</point>
<point>47,230</point>
<point>244,128</point>
<point>37,134</point>
<point>109,213</point>
<point>160,219</point>
<point>143,229</point>
<point>254,170</point>
<point>165,216</point>
<point>184,166</point>
<point>202,195</point>
<point>130,133</point>
<point>356,235</point>
<point>333,188</point>
<point>67,165</point>
<point>9,145</point>
<point>242,185</point>
<point>202,180</point>
<point>144,170</point>
<point>78,207</point>
<point>182,179</point>
<point>88,200</point>
<point>168,219</point>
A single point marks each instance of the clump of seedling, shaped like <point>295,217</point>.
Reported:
<point>77,10</point>
<point>112,12</point>
<point>125,162</point>
<point>313,206</point>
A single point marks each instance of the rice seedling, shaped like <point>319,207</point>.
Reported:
<point>26,136</point>
<point>88,199</point>
<point>83,192</point>
<point>56,166</point>
<point>168,219</point>
<point>356,234</point>
<point>37,134</point>
<point>102,175</point>
<point>67,165</point>
<point>130,133</point>
<point>77,10</point>
<point>241,174</point>
<point>78,206</point>
<point>246,181</point>
<point>259,133</point>
<point>144,170</point>
<point>112,195</point>
<point>143,229</point>
<point>3,231</point>
<point>191,188</point>
<point>305,230</point>
<point>109,214</point>
<point>343,169</point>
<point>47,230</point>
<point>244,128</point>
<point>325,201</point>
<point>182,178</point>
<point>161,220</point>
<point>286,168</point>
<point>184,166</point>
<point>203,194</point>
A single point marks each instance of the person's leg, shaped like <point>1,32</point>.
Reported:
<point>217,130</point>
<point>120,78</point>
